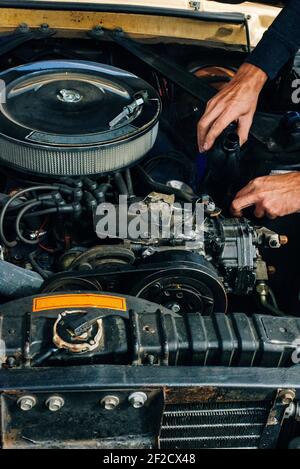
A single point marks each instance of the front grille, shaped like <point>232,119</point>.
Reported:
<point>214,425</point>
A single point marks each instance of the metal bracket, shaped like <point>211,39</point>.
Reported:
<point>42,30</point>
<point>96,33</point>
<point>23,34</point>
<point>270,434</point>
<point>195,5</point>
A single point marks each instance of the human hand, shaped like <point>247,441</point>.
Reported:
<point>237,101</point>
<point>273,196</point>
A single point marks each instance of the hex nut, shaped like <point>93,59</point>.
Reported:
<point>137,399</point>
<point>26,402</point>
<point>110,402</point>
<point>55,403</point>
<point>287,396</point>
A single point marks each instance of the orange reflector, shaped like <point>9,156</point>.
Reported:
<point>45,303</point>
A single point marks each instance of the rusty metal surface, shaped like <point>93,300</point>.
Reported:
<point>13,441</point>
<point>82,422</point>
<point>190,395</point>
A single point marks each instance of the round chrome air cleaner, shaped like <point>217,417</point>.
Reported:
<point>75,118</point>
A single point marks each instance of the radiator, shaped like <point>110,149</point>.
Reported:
<point>214,425</point>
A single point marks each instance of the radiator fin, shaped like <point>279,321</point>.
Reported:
<point>214,425</point>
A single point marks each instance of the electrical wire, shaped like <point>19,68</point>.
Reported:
<point>18,223</point>
<point>13,243</point>
<point>40,213</point>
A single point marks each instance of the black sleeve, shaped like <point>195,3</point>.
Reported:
<point>280,42</point>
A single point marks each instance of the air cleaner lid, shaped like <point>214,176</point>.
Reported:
<point>75,104</point>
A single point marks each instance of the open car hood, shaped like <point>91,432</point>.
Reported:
<point>204,5</point>
<point>181,13</point>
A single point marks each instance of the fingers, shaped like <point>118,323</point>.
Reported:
<point>244,126</point>
<point>259,211</point>
<point>211,114</point>
<point>217,117</point>
<point>217,128</point>
<point>243,202</point>
<point>254,185</point>
<point>259,185</point>
<point>212,124</point>
<point>255,194</point>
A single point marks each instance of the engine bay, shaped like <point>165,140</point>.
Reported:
<point>93,140</point>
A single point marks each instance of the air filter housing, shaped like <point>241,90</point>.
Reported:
<point>75,118</point>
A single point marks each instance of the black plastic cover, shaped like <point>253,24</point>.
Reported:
<point>146,334</point>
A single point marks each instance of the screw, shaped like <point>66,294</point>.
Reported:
<point>55,403</point>
<point>98,31</point>
<point>195,5</point>
<point>44,27</point>
<point>118,32</point>
<point>175,307</point>
<point>287,396</point>
<point>210,207</point>
<point>110,402</point>
<point>137,399</point>
<point>24,28</point>
<point>11,361</point>
<point>26,402</point>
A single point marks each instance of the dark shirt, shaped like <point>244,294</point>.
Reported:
<point>280,43</point>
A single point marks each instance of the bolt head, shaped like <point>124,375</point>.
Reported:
<point>210,207</point>
<point>287,396</point>
<point>138,399</point>
<point>26,403</point>
<point>55,403</point>
<point>110,402</point>
<point>175,307</point>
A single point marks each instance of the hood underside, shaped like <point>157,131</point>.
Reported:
<point>204,5</point>
<point>155,20</point>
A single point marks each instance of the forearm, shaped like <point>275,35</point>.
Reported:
<point>280,42</point>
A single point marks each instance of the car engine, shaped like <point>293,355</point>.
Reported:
<point>117,242</point>
<point>77,135</point>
